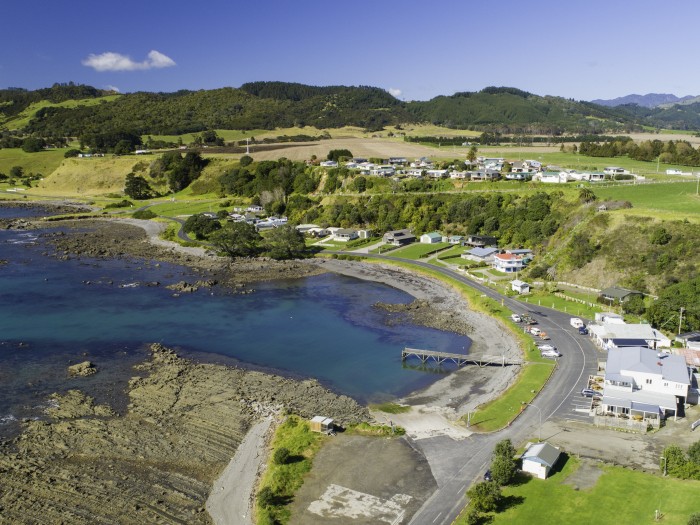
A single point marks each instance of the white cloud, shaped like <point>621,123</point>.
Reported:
<point>109,87</point>
<point>395,92</point>
<point>117,62</point>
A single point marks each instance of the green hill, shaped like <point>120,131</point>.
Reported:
<point>72,110</point>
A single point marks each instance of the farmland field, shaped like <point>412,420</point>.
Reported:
<point>679,199</point>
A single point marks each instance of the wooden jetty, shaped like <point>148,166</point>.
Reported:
<point>458,359</point>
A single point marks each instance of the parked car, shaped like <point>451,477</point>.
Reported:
<point>516,318</point>
<point>589,392</point>
<point>547,348</point>
<point>583,330</point>
<point>576,322</point>
<point>550,353</point>
<point>535,331</point>
<point>487,476</point>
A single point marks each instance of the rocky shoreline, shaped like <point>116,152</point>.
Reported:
<point>158,461</point>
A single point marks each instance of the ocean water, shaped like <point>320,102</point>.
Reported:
<point>54,313</point>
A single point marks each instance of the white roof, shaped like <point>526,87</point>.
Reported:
<point>643,360</point>
<point>624,331</point>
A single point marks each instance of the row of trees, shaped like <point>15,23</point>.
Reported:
<point>678,152</point>
<point>240,239</point>
<point>486,496</point>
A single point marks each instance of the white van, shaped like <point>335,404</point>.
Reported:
<point>535,331</point>
<point>576,322</point>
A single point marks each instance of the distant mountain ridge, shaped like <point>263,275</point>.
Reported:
<point>270,105</point>
<point>650,100</point>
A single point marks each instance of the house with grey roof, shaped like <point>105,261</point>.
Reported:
<point>643,384</point>
<point>616,295</point>
<point>399,237</point>
<point>539,459</point>
<point>480,254</point>
<point>610,335</point>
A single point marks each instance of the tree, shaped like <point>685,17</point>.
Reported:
<point>123,147</point>
<point>285,242</point>
<point>694,519</point>
<point>33,144</point>
<point>16,172</point>
<point>266,497</point>
<point>71,153</point>
<point>485,496</point>
<point>281,456</point>
<point>360,184</point>
<point>238,239</point>
<point>245,160</point>
<point>694,452</point>
<point>336,154</point>
<point>136,187</point>
<point>504,448</point>
<point>586,195</point>
<point>472,153</point>
<point>634,305</point>
<point>201,225</point>
<point>674,460</point>
<point>503,466</point>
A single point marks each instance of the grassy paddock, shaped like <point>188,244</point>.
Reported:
<point>44,162</point>
<point>653,198</point>
<point>284,480</point>
<point>609,502</point>
<point>419,250</point>
<point>561,305</point>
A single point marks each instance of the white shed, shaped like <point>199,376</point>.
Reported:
<point>539,458</point>
<point>520,286</point>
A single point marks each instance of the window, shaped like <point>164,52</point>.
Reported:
<point>648,381</point>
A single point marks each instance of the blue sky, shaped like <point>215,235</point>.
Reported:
<point>417,49</point>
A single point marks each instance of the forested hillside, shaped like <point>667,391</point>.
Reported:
<point>269,105</point>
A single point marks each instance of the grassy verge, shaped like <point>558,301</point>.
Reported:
<point>283,480</point>
<point>418,250</point>
<point>365,429</point>
<point>391,408</point>
<point>499,412</point>
<point>609,502</point>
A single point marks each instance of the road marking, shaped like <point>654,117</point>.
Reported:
<point>437,517</point>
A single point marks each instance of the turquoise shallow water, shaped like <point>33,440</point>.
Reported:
<point>55,312</point>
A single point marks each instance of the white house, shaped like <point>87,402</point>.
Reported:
<point>437,174</point>
<point>555,177</point>
<point>641,382</point>
<point>345,234</point>
<point>614,170</point>
<point>609,335</point>
<point>539,458</point>
<point>328,164</point>
<point>508,262</point>
<point>431,238</point>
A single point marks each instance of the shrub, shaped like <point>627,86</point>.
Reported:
<point>143,214</point>
<point>281,456</point>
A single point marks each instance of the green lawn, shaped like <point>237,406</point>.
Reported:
<point>561,305</point>
<point>454,254</point>
<point>620,496</point>
<point>418,250</point>
<point>43,162</point>
<point>181,207</point>
<point>677,198</point>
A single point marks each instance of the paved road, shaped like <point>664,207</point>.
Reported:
<point>460,463</point>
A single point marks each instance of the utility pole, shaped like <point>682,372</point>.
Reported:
<point>680,320</point>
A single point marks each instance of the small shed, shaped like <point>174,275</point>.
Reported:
<point>431,238</point>
<point>520,286</point>
<point>539,458</point>
<point>321,424</point>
